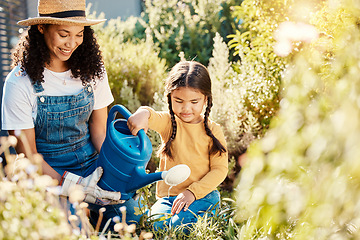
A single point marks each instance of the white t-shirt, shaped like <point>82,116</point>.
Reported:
<point>19,104</point>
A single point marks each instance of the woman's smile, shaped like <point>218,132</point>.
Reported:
<point>66,52</point>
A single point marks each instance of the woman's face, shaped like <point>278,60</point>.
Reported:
<point>62,41</point>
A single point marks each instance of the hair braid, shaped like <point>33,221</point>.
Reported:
<point>166,150</point>
<point>217,146</point>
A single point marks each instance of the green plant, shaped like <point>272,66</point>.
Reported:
<point>30,207</point>
<point>187,26</point>
<point>239,125</point>
<point>216,225</point>
<point>301,180</point>
<point>260,70</point>
<point>27,209</point>
<point>134,69</point>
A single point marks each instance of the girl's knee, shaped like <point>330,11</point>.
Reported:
<point>160,225</point>
<point>183,218</point>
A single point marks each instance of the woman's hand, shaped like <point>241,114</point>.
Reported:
<point>92,192</point>
<point>139,120</point>
<point>183,200</point>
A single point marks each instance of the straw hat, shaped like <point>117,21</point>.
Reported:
<point>61,12</point>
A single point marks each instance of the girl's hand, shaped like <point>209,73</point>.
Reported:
<point>183,200</point>
<point>138,120</point>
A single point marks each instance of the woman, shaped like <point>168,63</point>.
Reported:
<point>57,94</point>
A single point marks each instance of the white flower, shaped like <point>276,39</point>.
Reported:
<point>289,32</point>
<point>44,181</point>
<point>283,48</point>
<point>76,194</point>
<point>118,227</point>
<point>12,140</point>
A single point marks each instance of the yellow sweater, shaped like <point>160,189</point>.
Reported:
<point>191,147</point>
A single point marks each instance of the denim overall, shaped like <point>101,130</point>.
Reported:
<point>63,138</point>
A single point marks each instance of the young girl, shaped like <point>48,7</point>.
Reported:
<point>188,138</point>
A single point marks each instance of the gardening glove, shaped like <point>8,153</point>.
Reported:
<point>93,193</point>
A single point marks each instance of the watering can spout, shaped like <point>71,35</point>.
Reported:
<point>172,177</point>
<point>141,178</point>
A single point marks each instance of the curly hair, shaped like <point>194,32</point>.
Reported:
<point>195,75</point>
<point>32,54</point>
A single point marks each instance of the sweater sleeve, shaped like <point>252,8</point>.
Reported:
<point>159,122</point>
<point>218,170</point>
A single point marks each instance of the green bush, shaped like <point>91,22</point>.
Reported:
<point>302,179</point>
<point>187,26</point>
<point>238,125</point>
<point>135,71</point>
<point>252,84</point>
<point>260,70</point>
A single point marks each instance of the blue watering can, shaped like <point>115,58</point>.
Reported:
<point>124,157</point>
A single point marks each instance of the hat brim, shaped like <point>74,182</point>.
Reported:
<point>60,21</point>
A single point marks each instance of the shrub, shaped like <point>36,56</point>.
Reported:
<point>302,178</point>
<point>259,69</point>
<point>187,26</point>
<point>238,124</point>
<point>30,207</point>
<point>27,209</point>
<point>135,71</point>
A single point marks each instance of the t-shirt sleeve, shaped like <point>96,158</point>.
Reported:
<point>103,95</point>
<point>16,110</point>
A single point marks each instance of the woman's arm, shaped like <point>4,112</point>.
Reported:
<point>28,147</point>
<point>97,126</point>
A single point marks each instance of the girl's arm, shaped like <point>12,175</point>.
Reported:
<point>97,127</point>
<point>139,120</point>
<point>218,164</point>
<point>28,147</point>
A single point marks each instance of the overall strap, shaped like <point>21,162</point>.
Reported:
<point>38,87</point>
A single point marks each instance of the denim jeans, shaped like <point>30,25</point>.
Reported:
<point>114,210</point>
<point>63,138</point>
<point>162,208</point>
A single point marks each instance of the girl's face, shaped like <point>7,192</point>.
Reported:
<point>62,41</point>
<point>187,104</point>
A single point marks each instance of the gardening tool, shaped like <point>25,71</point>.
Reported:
<point>124,157</point>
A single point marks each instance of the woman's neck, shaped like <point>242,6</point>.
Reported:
<point>57,67</point>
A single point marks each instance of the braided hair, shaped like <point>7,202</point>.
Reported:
<point>195,75</point>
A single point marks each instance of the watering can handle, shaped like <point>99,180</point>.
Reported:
<point>126,114</point>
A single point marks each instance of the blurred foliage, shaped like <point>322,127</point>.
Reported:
<point>27,209</point>
<point>30,206</point>
<point>301,181</point>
